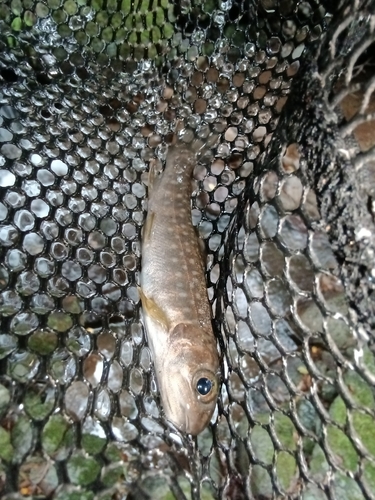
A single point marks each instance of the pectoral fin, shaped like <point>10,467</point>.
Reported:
<point>152,309</point>
<point>153,177</point>
<point>202,248</point>
<point>147,228</point>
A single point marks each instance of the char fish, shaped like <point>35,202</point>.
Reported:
<point>175,304</point>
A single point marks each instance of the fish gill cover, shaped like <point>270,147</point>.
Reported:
<point>281,95</point>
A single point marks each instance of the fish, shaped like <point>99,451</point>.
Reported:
<point>176,309</point>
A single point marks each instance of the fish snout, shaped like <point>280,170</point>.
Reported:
<point>185,407</point>
<point>191,420</point>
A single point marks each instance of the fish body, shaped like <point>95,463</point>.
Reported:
<point>176,309</point>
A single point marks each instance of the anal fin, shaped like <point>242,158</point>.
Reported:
<point>154,175</point>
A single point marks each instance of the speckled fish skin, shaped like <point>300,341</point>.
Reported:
<point>175,304</point>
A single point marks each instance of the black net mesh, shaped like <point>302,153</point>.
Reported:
<point>284,198</point>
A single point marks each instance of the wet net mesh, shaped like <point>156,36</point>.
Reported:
<point>91,92</point>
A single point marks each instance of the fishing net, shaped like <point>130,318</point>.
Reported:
<point>281,95</point>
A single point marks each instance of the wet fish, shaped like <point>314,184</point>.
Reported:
<point>174,297</point>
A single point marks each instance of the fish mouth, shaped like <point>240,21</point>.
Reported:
<point>181,419</point>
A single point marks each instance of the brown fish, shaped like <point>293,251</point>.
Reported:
<point>175,304</point>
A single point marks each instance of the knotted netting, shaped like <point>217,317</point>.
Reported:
<point>281,94</point>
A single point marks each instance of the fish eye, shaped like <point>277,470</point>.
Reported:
<point>204,386</point>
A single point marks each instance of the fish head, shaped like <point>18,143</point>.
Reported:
<point>189,382</point>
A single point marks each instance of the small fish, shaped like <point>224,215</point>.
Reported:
<point>175,304</point>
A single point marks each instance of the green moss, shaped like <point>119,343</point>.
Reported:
<point>6,448</point>
<point>92,29</point>
<point>239,39</point>
<point>93,444</point>
<point>81,37</point>
<point>107,34</point>
<point>206,492</point>
<point>342,448</point>
<point>16,24</point>
<point>158,494</point>
<point>38,403</point>
<point>41,10</point>
<point>209,6</point>
<point>8,345</point>
<point>111,50</point>
<point>338,411</point>
<point>97,4</point>
<point>261,483</point>
<point>121,35</point>
<point>53,4</point>
<point>155,34</point>
<point>64,31</point>
<point>136,22</point>
<point>97,45</point>
<point>82,470</point>
<point>160,17</point>
<point>57,437</point>
<point>4,399</point>
<point>144,6</point>
<point>369,474</point>
<point>60,321</point>
<point>124,51</point>
<point>74,495</point>
<point>112,5</point>
<point>308,445</point>
<point>286,467</point>
<point>360,391</point>
<point>116,20</point>
<point>29,4</point>
<point>22,437</point>
<point>59,16</point>
<point>171,15</point>
<point>113,474</point>
<point>43,342</point>
<point>285,431</point>
<point>340,331</point>
<point>139,53</point>
<point>208,49</point>
<point>364,426</point>
<point>70,7</point>
<point>229,30</point>
<point>16,7</point>
<point>318,464</point>
<point>113,453</point>
<point>102,18</point>
<point>369,360</point>
<point>312,492</point>
<point>23,367</point>
<point>126,6</point>
<point>346,487</point>
<point>168,31</point>
<point>152,52</point>
<point>133,38</point>
<point>262,444</point>
<point>60,53</point>
<point>145,37</point>
<point>4,13</point>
